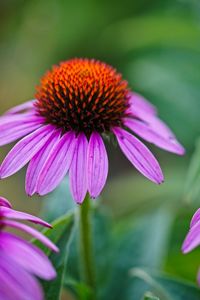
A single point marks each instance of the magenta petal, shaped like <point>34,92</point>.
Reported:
<point>142,105</point>
<point>4,202</point>
<point>154,123</point>
<point>7,120</point>
<point>24,254</point>
<point>11,134</point>
<point>13,127</point>
<point>35,233</point>
<point>14,214</point>
<point>14,280</point>
<point>192,239</point>
<point>139,155</point>
<point>77,172</point>
<point>57,164</point>
<point>97,165</point>
<point>195,218</point>
<point>21,107</point>
<point>24,150</point>
<point>37,163</point>
<point>154,135</point>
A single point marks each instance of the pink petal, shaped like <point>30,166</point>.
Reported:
<point>77,172</point>
<point>195,218</point>
<point>21,107</point>
<point>24,254</point>
<point>4,202</point>
<point>10,120</point>
<point>13,127</point>
<point>37,163</point>
<point>14,214</point>
<point>97,165</point>
<point>142,105</point>
<point>35,233</point>
<point>192,239</point>
<point>154,135</point>
<point>14,280</point>
<point>57,164</point>
<point>149,117</point>
<point>24,150</point>
<point>11,134</point>
<point>139,155</point>
<point>154,122</point>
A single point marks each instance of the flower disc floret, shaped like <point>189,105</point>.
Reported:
<point>83,95</point>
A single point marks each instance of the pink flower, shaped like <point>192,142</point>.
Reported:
<point>77,103</point>
<point>192,239</point>
<point>21,261</point>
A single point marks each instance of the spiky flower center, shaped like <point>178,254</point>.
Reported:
<point>82,95</point>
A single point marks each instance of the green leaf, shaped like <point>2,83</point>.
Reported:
<point>141,244</point>
<point>81,290</point>
<point>193,180</point>
<point>61,236</point>
<point>167,288</point>
<point>150,296</point>
<point>158,289</point>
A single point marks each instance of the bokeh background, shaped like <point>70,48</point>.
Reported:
<point>155,44</point>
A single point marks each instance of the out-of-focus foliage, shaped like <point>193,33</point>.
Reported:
<point>156,45</point>
<point>167,288</point>
<point>150,296</point>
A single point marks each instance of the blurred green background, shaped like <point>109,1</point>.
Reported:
<point>155,44</point>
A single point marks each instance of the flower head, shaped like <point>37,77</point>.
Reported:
<point>21,261</point>
<point>83,96</point>
<point>77,103</point>
<point>192,239</point>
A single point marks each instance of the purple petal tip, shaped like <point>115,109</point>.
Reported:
<point>5,202</point>
<point>184,249</point>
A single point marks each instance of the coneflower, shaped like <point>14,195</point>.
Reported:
<point>77,103</point>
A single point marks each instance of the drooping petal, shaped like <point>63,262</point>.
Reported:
<point>154,135</point>
<point>97,165</point>
<point>195,218</point>
<point>14,280</point>
<point>24,150</point>
<point>57,164</point>
<point>37,163</point>
<point>21,107</point>
<point>13,131</point>
<point>35,233</point>
<point>141,104</point>
<point>77,171</point>
<point>154,122</point>
<point>28,256</point>
<point>5,120</point>
<point>139,155</point>
<point>14,214</point>
<point>5,202</point>
<point>192,239</point>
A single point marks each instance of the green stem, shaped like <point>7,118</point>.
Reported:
<point>86,249</point>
